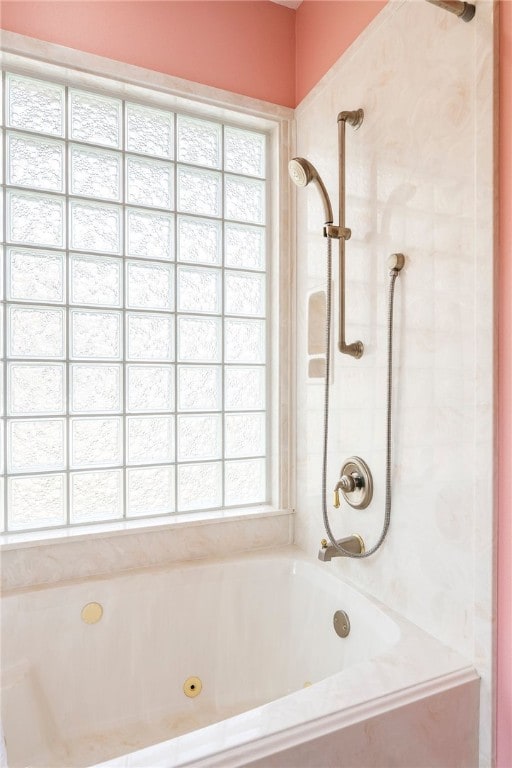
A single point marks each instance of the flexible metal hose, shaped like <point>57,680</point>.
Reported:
<point>387,510</point>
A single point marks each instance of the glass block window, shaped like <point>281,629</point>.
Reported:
<point>134,293</point>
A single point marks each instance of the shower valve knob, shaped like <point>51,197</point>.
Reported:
<point>347,483</point>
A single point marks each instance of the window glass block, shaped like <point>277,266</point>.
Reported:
<point>199,192</point>
<point>35,275</point>
<point>199,388</point>
<point>244,388</point>
<point>95,280</point>
<point>149,285</point>
<point>149,131</point>
<point>95,227</point>
<point>96,496</point>
<point>199,290</point>
<point>150,439</point>
<point>244,434</point>
<point>199,142</point>
<point>244,341</point>
<point>36,332</point>
<point>244,152</point>
<point>244,246</point>
<point>35,446</point>
<point>150,337</point>
<point>36,389</point>
<point>220,301</point>
<point>36,163</point>
<point>149,182</point>
<point>244,294</point>
<point>34,105</point>
<point>36,502</point>
<point>149,234</point>
<point>150,491</point>
<point>35,219</point>
<point>244,199</point>
<point>199,339</point>
<point>245,482</point>
<point>94,173</point>
<point>96,442</point>
<point>95,388</point>
<point>95,334</point>
<point>199,437</point>
<point>95,119</point>
<point>150,388</point>
<point>199,240</point>
<point>199,486</point>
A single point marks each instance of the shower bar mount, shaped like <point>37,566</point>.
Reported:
<point>465,11</point>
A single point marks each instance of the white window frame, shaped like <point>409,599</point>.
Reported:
<point>34,58</point>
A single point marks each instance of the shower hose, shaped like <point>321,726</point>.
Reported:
<point>387,509</point>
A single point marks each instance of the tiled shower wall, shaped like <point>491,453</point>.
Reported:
<point>419,181</point>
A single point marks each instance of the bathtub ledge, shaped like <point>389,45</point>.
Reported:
<point>50,557</point>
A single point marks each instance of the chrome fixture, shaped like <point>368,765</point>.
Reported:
<point>355,484</point>
<point>355,481</point>
<point>355,118</point>
<point>341,623</point>
<point>301,173</point>
<point>465,11</point>
<point>352,545</point>
<point>395,263</point>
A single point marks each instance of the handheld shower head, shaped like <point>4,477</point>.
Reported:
<point>301,173</point>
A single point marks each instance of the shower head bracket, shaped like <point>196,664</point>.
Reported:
<point>336,233</point>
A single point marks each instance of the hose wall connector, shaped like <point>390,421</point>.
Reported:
<point>396,262</point>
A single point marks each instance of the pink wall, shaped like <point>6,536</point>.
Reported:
<point>219,43</point>
<point>504,710</point>
<point>246,47</point>
<point>324,30</point>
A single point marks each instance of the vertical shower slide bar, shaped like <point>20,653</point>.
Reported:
<point>341,233</point>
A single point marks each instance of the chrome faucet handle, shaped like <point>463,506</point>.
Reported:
<point>346,484</point>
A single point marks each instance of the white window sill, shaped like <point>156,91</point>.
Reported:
<point>21,540</point>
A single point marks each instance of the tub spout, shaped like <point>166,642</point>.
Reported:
<point>353,544</point>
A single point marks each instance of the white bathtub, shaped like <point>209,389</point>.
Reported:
<point>255,630</point>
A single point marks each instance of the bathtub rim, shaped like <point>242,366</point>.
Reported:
<point>295,735</point>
